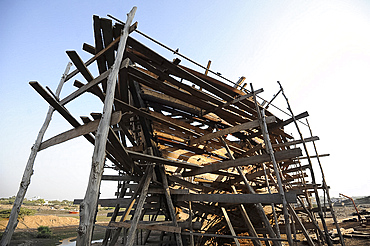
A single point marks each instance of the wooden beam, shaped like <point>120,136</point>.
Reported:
<point>120,178</point>
<point>78,131</point>
<point>238,128</point>
<point>152,117</point>
<point>314,156</point>
<point>310,139</point>
<point>280,155</point>
<point>152,227</point>
<point>158,160</point>
<point>87,86</point>
<point>238,198</point>
<point>80,65</point>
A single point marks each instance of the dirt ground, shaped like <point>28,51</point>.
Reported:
<point>64,225</point>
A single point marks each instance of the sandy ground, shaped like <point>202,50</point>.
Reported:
<point>54,218</point>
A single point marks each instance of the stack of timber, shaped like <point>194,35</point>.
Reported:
<point>191,152</point>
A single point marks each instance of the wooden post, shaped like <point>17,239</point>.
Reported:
<point>230,226</point>
<point>270,151</point>
<point>88,205</point>
<point>272,205</point>
<point>169,203</point>
<point>191,224</point>
<point>28,171</point>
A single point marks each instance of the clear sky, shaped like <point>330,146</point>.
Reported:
<point>318,50</point>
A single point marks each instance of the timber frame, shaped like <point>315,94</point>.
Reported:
<point>199,161</point>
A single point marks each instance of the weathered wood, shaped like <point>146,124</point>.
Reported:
<point>79,64</point>
<point>138,211</point>
<point>87,86</point>
<point>120,178</point>
<point>281,155</point>
<point>252,232</point>
<point>327,236</point>
<point>313,156</point>
<point>238,128</point>
<point>170,206</point>
<point>158,160</point>
<point>295,217</point>
<point>26,178</point>
<point>152,227</point>
<point>78,131</point>
<point>238,198</point>
<point>231,228</point>
<point>88,206</point>
<point>295,142</point>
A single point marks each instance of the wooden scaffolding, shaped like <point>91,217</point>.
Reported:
<point>199,162</point>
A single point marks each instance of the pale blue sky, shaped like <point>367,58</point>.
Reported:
<point>319,50</point>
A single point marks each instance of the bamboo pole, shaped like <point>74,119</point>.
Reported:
<point>28,171</point>
<point>270,151</point>
<point>326,190</point>
<point>327,236</point>
<point>88,205</point>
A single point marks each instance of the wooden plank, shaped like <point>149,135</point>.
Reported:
<point>152,227</point>
<point>122,152</point>
<point>296,169</point>
<point>66,115</point>
<point>310,139</point>
<point>238,128</point>
<point>87,86</point>
<point>238,198</point>
<point>158,160</point>
<point>54,103</point>
<point>280,155</point>
<point>80,65</point>
<point>120,178</point>
<point>313,156</point>
<point>151,117</point>
<point>102,67</point>
<point>78,131</point>
<point>107,30</point>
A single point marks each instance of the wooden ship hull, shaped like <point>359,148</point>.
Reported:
<point>199,161</point>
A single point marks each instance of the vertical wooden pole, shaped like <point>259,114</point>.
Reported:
<point>28,171</point>
<point>191,224</point>
<point>88,205</point>
<point>270,151</point>
<point>169,203</point>
<point>272,205</point>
